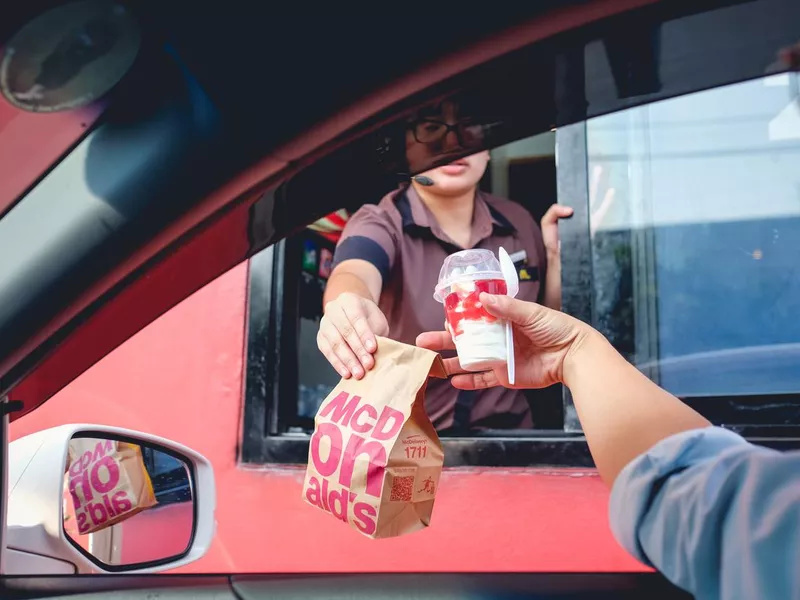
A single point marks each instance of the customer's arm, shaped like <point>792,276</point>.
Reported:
<point>717,515</point>
<point>622,412</point>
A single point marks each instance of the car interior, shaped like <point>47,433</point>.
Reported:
<point>241,132</point>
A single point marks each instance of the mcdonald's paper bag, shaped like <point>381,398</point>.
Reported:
<point>108,482</point>
<point>375,459</point>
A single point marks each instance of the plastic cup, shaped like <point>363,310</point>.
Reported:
<point>479,337</point>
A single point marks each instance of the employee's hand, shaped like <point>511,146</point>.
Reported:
<point>544,342</point>
<point>549,226</point>
<point>347,334</point>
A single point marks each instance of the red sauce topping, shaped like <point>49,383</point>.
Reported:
<point>466,306</point>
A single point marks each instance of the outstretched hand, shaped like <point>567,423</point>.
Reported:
<point>347,334</point>
<point>544,340</point>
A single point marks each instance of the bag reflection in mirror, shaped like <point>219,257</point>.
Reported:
<point>99,499</point>
<point>108,482</point>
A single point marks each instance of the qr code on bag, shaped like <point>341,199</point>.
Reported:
<point>402,489</point>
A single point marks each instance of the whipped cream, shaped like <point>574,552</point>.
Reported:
<point>481,345</point>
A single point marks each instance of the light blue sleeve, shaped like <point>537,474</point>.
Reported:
<point>718,516</point>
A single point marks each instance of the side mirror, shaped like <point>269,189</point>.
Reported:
<point>96,499</point>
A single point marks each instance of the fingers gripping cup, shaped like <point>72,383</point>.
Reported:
<point>479,337</point>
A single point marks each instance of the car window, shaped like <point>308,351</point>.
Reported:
<point>689,215</point>
<point>695,224</point>
<point>693,213</point>
<point>657,222</point>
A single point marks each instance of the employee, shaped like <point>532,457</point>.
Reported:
<point>387,263</point>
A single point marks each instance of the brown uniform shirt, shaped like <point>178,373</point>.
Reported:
<point>401,237</point>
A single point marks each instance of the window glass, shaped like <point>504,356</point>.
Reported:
<point>168,477</point>
<point>695,237</point>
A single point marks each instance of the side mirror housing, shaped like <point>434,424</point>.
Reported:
<point>97,499</point>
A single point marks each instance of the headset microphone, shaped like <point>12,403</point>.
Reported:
<point>423,180</point>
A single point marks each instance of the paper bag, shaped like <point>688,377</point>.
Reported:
<point>375,459</point>
<point>108,482</point>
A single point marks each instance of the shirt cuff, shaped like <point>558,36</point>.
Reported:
<point>641,480</point>
<point>363,248</point>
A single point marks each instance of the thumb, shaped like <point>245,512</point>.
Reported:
<point>556,212</point>
<point>517,311</point>
<point>563,211</point>
<point>377,321</point>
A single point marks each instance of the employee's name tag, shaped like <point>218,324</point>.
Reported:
<point>525,272</point>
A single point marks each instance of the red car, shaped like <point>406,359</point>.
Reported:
<point>158,271</point>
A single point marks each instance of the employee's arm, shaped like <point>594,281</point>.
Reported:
<point>354,276</point>
<point>552,246</point>
<point>363,260</point>
<point>552,281</point>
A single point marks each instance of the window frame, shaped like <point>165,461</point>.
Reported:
<point>262,440</point>
<point>264,443</point>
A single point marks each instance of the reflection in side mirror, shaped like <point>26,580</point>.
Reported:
<point>126,503</point>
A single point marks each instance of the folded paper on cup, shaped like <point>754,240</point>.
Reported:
<point>375,459</point>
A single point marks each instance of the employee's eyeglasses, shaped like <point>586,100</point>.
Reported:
<point>428,131</point>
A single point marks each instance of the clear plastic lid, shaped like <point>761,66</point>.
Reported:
<point>466,266</point>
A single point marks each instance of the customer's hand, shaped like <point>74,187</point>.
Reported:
<point>347,334</point>
<point>544,341</point>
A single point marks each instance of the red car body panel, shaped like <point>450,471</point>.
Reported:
<point>181,378</point>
